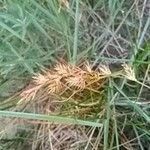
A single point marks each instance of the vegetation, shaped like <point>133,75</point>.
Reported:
<point>74,74</point>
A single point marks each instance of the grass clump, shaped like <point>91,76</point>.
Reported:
<point>110,101</point>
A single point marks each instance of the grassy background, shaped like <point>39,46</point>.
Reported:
<point>34,35</point>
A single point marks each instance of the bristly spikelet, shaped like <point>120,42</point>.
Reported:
<point>76,82</point>
<point>129,72</point>
<point>63,69</point>
<point>104,70</point>
<point>54,85</point>
<point>40,79</point>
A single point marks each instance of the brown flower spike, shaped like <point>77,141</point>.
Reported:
<point>64,77</point>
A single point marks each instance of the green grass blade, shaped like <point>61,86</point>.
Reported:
<point>49,118</point>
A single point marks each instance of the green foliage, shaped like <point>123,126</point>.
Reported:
<point>142,55</point>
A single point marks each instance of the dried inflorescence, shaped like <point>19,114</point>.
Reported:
<point>67,78</point>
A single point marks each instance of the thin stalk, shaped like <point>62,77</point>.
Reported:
<point>75,45</point>
<point>107,121</point>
